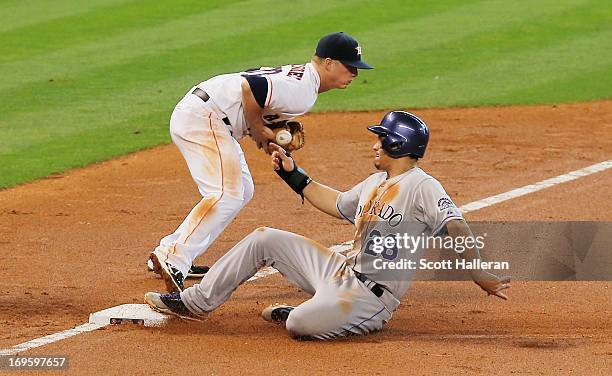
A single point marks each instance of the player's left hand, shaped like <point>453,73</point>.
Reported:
<point>279,155</point>
<point>492,284</point>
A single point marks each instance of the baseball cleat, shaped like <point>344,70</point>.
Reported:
<point>196,271</point>
<point>170,304</point>
<point>276,312</point>
<point>172,277</point>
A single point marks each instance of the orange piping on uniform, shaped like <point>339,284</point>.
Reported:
<point>222,181</point>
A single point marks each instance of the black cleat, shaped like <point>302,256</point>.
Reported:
<point>172,277</point>
<point>197,271</point>
<point>277,312</point>
<point>170,304</point>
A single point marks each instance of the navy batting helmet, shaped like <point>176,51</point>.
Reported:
<point>403,134</point>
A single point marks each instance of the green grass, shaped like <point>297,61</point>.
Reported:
<point>86,81</point>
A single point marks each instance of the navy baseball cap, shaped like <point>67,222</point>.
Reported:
<point>343,47</point>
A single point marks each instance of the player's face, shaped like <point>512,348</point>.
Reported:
<point>381,159</point>
<point>342,74</point>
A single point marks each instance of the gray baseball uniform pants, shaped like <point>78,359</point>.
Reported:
<point>340,305</point>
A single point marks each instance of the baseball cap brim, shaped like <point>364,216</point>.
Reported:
<point>357,64</point>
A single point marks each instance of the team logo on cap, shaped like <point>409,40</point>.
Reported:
<point>358,48</point>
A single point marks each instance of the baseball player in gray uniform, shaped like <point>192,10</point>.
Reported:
<point>210,119</point>
<point>351,294</point>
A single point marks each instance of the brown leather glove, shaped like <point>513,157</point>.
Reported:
<point>295,128</point>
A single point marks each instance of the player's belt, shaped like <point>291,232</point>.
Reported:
<point>205,97</point>
<point>376,289</point>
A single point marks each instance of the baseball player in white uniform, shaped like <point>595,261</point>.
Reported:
<point>350,294</point>
<point>210,119</point>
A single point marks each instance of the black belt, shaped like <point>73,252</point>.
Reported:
<point>377,289</point>
<point>205,97</point>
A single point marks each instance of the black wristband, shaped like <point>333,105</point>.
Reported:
<point>297,179</point>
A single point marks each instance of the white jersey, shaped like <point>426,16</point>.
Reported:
<point>292,91</point>
<point>413,202</point>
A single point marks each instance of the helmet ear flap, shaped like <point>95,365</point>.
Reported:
<point>395,145</point>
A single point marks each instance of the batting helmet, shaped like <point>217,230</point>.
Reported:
<point>403,134</point>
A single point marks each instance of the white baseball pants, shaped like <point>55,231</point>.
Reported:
<point>218,167</point>
<point>340,305</point>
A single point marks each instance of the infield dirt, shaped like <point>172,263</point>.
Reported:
<point>77,242</point>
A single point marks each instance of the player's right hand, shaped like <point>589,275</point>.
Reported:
<point>279,155</point>
<point>262,137</point>
<point>492,284</point>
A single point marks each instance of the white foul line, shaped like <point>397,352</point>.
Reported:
<point>37,342</point>
<point>476,205</point>
<point>472,206</point>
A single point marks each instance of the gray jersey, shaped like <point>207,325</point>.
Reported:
<point>413,202</point>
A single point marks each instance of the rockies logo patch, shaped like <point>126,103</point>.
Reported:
<point>445,203</point>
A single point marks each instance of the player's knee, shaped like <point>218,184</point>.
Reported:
<point>209,196</point>
<point>267,232</point>
<point>260,230</point>
<point>265,241</point>
<point>261,234</point>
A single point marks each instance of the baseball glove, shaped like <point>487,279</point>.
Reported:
<point>295,128</point>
